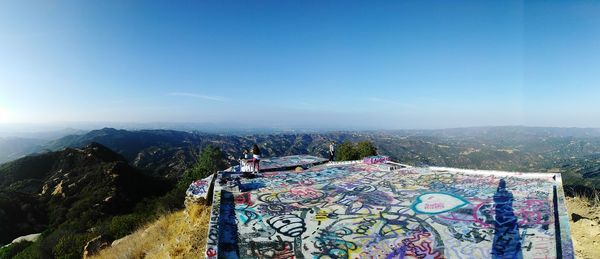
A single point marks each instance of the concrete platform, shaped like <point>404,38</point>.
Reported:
<point>285,163</point>
<point>358,210</point>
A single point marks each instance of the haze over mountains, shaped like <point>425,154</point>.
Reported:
<point>168,153</point>
<point>104,180</point>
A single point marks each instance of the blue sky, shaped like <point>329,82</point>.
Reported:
<point>345,64</point>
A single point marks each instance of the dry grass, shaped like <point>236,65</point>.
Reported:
<point>584,213</point>
<point>181,234</point>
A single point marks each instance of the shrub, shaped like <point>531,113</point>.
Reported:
<point>365,149</point>
<point>346,151</point>
<point>70,246</point>
<point>122,225</point>
<point>210,161</point>
<point>11,250</point>
<point>350,151</point>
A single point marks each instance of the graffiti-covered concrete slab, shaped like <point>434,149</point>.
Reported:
<point>359,210</point>
<point>279,163</point>
<point>287,162</point>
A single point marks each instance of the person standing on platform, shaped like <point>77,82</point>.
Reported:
<point>256,158</point>
<point>331,151</point>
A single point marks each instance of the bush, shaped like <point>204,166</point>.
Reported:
<point>70,246</point>
<point>365,149</point>
<point>346,151</point>
<point>31,251</point>
<point>11,250</point>
<point>123,225</point>
<point>210,161</point>
<point>350,151</point>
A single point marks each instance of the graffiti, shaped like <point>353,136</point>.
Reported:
<point>290,162</point>
<point>213,227</point>
<point>274,208</point>
<point>370,160</point>
<point>331,243</point>
<point>399,253</point>
<point>210,252</point>
<point>436,203</point>
<point>420,246</point>
<point>198,189</point>
<point>361,210</point>
<point>288,225</point>
<point>272,249</point>
<point>244,198</point>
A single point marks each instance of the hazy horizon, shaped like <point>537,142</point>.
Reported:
<point>8,128</point>
<point>301,65</point>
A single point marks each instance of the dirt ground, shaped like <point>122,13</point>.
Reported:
<point>585,227</point>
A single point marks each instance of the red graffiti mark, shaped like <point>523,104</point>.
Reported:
<point>419,245</point>
<point>434,206</point>
<point>244,198</point>
<point>285,253</point>
<point>210,252</point>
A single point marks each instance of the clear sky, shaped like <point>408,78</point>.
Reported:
<point>376,64</point>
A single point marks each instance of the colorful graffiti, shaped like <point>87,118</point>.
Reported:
<point>358,210</point>
<point>375,159</point>
<point>283,163</point>
<point>436,203</point>
<point>198,189</point>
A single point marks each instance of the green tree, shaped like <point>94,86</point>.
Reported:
<point>346,151</point>
<point>365,149</point>
<point>211,160</point>
<point>10,251</point>
<point>69,246</point>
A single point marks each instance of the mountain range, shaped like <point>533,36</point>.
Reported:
<point>168,153</point>
<point>108,180</point>
<point>69,191</point>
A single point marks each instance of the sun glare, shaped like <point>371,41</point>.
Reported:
<point>3,115</point>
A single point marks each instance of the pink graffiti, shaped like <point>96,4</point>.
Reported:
<point>419,245</point>
<point>529,212</point>
<point>305,192</point>
<point>244,198</point>
<point>474,217</point>
<point>375,160</point>
<point>306,182</point>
